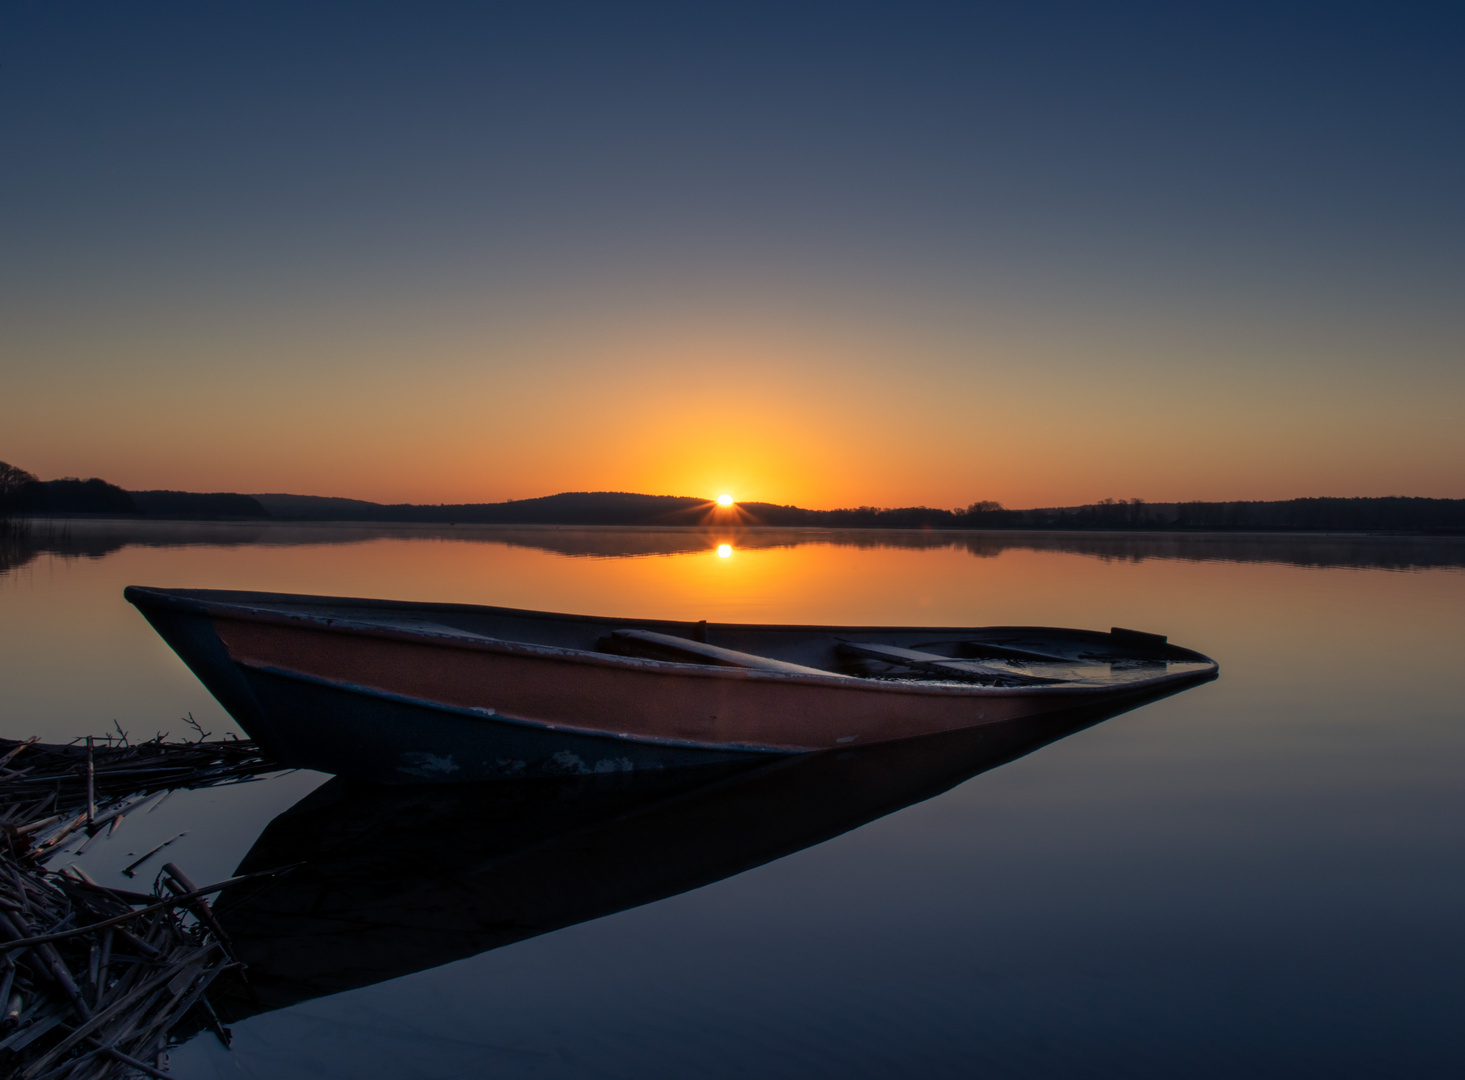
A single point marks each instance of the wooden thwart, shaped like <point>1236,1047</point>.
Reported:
<point>993,651</point>
<point>653,646</point>
<point>937,664</point>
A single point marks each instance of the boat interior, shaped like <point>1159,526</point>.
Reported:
<point>1002,656</point>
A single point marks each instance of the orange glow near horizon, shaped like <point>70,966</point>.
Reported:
<point>812,416</point>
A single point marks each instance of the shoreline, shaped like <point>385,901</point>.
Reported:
<point>1443,533</point>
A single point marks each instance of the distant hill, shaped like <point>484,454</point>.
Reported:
<point>197,506</point>
<point>22,493</point>
<point>567,508</point>
<point>317,508</point>
<point>624,508</point>
<point>1390,514</point>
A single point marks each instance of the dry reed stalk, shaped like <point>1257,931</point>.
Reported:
<point>96,982</point>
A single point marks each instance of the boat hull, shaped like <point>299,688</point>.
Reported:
<point>393,702</point>
<point>386,738</point>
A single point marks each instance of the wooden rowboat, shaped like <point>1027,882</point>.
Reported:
<point>399,692</point>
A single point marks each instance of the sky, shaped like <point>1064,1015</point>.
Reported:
<point>821,254</point>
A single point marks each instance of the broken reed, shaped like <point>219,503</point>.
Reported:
<point>97,982</point>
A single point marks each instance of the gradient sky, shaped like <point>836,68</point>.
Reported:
<point>821,254</point>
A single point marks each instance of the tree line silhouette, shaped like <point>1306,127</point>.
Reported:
<point>21,493</point>
<point>1387,514</point>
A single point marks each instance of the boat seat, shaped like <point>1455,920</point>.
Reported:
<point>937,664</point>
<point>988,650</point>
<point>653,646</point>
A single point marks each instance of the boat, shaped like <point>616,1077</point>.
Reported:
<point>400,692</point>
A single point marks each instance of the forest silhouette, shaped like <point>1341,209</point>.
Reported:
<point>22,494</point>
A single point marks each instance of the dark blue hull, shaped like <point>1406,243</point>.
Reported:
<point>393,740</point>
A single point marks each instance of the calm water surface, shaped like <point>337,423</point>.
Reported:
<point>1262,876</point>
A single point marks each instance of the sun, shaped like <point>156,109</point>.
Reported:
<point>724,500</point>
<point>724,551</point>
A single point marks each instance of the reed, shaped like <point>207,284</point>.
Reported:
<point>98,982</point>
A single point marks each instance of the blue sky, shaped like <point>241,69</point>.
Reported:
<point>886,253</point>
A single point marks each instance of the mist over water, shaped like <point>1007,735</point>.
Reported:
<point>1259,876</point>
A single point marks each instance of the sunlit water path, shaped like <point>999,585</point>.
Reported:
<point>1260,876</point>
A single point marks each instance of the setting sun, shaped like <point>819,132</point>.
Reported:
<point>724,500</point>
<point>724,551</point>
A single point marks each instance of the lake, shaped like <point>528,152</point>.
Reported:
<point>1260,876</point>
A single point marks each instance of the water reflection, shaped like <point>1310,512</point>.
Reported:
<point>83,538</point>
<point>398,880</point>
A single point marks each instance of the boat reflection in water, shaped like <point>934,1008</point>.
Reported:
<point>397,880</point>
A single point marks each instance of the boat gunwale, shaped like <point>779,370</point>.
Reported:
<point>209,603</point>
